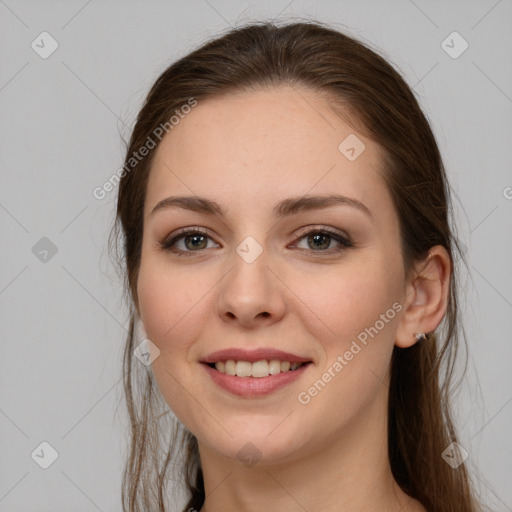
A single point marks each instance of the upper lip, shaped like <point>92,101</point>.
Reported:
<point>240,354</point>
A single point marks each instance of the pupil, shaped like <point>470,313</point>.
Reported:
<point>195,238</point>
<point>319,237</point>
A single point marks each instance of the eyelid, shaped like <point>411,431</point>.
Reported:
<point>321,228</point>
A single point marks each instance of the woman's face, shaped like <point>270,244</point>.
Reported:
<point>269,273</point>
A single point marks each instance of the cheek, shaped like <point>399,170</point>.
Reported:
<point>170,303</point>
<point>348,301</point>
<point>357,344</point>
<point>355,320</point>
<point>171,308</point>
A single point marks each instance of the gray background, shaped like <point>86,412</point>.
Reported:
<point>62,320</point>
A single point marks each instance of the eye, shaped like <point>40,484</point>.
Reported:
<point>193,240</point>
<point>320,240</point>
<point>186,241</point>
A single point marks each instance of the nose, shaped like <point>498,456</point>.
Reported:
<point>251,293</point>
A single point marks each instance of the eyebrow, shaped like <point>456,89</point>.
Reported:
<point>284,208</point>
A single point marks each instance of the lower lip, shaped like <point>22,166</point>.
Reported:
<point>254,386</point>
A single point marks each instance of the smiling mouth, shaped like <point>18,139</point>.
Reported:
<point>258,369</point>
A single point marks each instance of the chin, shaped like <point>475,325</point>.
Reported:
<point>256,442</point>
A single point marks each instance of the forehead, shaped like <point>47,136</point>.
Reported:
<point>258,146</point>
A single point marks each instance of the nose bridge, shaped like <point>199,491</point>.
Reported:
<point>250,250</point>
<point>251,289</point>
<point>250,273</point>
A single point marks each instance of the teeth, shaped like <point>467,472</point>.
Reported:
<point>229,368</point>
<point>261,368</point>
<point>243,369</point>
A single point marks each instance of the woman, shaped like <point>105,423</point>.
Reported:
<point>290,264</point>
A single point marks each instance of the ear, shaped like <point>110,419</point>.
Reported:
<point>426,296</point>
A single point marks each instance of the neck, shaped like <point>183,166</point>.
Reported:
<point>349,472</point>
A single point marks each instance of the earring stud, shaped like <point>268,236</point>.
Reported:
<point>420,336</point>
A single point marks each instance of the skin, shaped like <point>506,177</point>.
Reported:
<point>247,152</point>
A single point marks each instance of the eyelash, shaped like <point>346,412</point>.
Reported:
<point>338,236</point>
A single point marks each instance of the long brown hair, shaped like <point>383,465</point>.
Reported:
<point>362,84</point>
